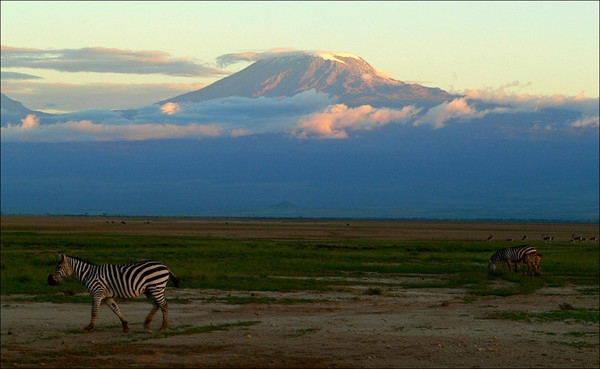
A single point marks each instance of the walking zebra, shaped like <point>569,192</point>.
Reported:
<point>510,255</point>
<point>107,281</point>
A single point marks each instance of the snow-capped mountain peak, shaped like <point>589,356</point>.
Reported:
<point>345,76</point>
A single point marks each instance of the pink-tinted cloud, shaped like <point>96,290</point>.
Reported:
<point>587,122</point>
<point>337,119</point>
<point>29,122</point>
<point>455,109</point>
<point>170,108</point>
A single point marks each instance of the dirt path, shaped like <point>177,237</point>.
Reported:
<point>345,329</point>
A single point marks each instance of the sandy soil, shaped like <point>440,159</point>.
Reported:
<point>347,328</point>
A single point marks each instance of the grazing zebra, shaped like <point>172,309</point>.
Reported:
<point>510,255</point>
<point>532,260</point>
<point>108,281</point>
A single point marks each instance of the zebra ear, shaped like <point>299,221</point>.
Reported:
<point>62,256</point>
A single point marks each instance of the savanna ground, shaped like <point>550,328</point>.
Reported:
<point>382,316</point>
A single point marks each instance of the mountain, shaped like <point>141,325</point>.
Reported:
<point>12,106</point>
<point>347,77</point>
<point>257,144</point>
<point>13,111</point>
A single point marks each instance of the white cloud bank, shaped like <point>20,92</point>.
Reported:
<point>308,115</point>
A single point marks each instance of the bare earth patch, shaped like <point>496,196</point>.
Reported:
<point>348,329</point>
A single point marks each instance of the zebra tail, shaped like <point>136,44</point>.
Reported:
<point>174,279</point>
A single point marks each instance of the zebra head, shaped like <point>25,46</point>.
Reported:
<point>63,270</point>
<point>491,266</point>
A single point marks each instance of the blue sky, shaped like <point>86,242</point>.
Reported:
<point>117,55</point>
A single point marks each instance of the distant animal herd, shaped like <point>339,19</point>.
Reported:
<point>525,254</point>
<point>109,281</point>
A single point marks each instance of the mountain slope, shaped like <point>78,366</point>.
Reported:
<point>12,106</point>
<point>349,78</point>
<point>13,111</point>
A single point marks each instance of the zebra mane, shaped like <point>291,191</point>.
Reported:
<point>79,259</point>
<point>90,263</point>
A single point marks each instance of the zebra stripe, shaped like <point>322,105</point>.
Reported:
<point>510,255</point>
<point>107,281</point>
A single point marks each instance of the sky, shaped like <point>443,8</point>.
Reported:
<point>73,56</point>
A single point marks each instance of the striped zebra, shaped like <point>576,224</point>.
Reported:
<point>510,255</point>
<point>107,281</point>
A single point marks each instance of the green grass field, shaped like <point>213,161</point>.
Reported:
<point>293,258</point>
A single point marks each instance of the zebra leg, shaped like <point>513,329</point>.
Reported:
<point>165,312</point>
<point>158,296</point>
<point>509,265</point>
<point>115,308</point>
<point>153,311</point>
<point>150,316</point>
<point>95,307</point>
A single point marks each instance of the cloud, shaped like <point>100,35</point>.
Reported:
<point>255,115</point>
<point>479,103</point>
<point>587,122</point>
<point>31,121</point>
<point>336,120</point>
<point>309,115</point>
<point>5,76</point>
<point>170,108</point>
<point>456,109</point>
<point>85,130</point>
<point>106,60</point>
<point>250,56</point>
<point>532,103</point>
